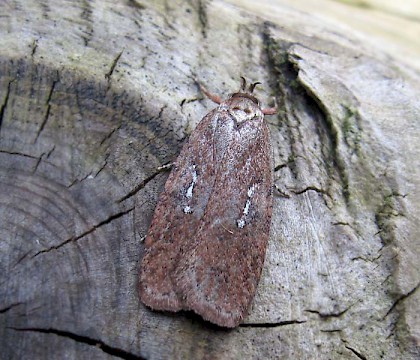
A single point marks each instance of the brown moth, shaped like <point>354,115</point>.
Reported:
<point>206,244</point>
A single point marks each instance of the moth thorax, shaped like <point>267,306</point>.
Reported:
<point>243,109</point>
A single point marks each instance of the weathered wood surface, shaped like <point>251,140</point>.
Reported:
<point>95,96</point>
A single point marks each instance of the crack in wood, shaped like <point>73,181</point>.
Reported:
<point>76,181</point>
<point>109,135</point>
<point>400,299</point>
<point>37,163</point>
<point>330,330</point>
<point>51,151</point>
<point>389,209</point>
<point>9,307</point>
<point>272,325</point>
<point>111,350</point>
<point>143,183</point>
<point>34,47</point>
<point>282,191</point>
<point>113,65</point>
<point>86,16</point>
<point>5,102</point>
<point>17,153</point>
<point>354,351</point>
<point>202,17</point>
<point>187,101</point>
<point>311,188</point>
<point>136,4</point>
<point>105,163</point>
<point>47,113</point>
<point>328,315</point>
<point>343,223</point>
<point>90,175</point>
<point>85,233</point>
<point>281,166</point>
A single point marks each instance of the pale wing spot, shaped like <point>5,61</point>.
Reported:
<point>241,222</point>
<point>251,190</point>
<point>187,210</point>
<point>248,163</point>
<point>246,208</point>
<point>189,192</point>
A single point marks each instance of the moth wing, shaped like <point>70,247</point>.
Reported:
<point>177,217</point>
<point>219,271</point>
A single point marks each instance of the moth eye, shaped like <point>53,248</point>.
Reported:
<point>236,108</point>
<point>248,111</point>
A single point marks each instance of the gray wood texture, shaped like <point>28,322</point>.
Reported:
<point>95,96</point>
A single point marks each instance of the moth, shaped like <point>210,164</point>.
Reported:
<point>206,245</point>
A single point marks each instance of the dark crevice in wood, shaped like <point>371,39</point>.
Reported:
<point>50,152</point>
<point>328,315</point>
<point>401,298</point>
<point>37,163</point>
<point>281,166</point>
<point>281,191</point>
<point>113,65</point>
<point>366,259</point>
<point>273,325</point>
<point>34,47</point>
<point>76,181</point>
<point>136,4</point>
<point>159,116</point>
<point>47,113</point>
<point>103,165</point>
<point>332,133</point>
<point>355,352</point>
<point>293,91</point>
<point>187,101</point>
<point>111,350</point>
<point>4,104</point>
<point>311,188</point>
<point>343,223</point>
<point>330,330</point>
<point>388,209</point>
<point>278,72</point>
<point>202,17</point>
<point>18,154</point>
<point>143,184</point>
<point>109,135</point>
<point>87,232</point>
<point>290,161</point>
<point>89,175</point>
<point>327,128</point>
<point>9,307</point>
<point>23,257</point>
<point>86,16</point>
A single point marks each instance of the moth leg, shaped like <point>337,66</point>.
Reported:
<point>215,98</point>
<point>165,167</point>
<point>271,111</point>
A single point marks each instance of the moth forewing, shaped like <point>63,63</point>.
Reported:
<point>206,244</point>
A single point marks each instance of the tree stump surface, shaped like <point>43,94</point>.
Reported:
<point>94,97</point>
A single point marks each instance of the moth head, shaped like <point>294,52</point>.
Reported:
<point>243,105</point>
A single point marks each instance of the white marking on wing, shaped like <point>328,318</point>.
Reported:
<point>189,192</point>
<point>187,209</point>
<point>241,222</point>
